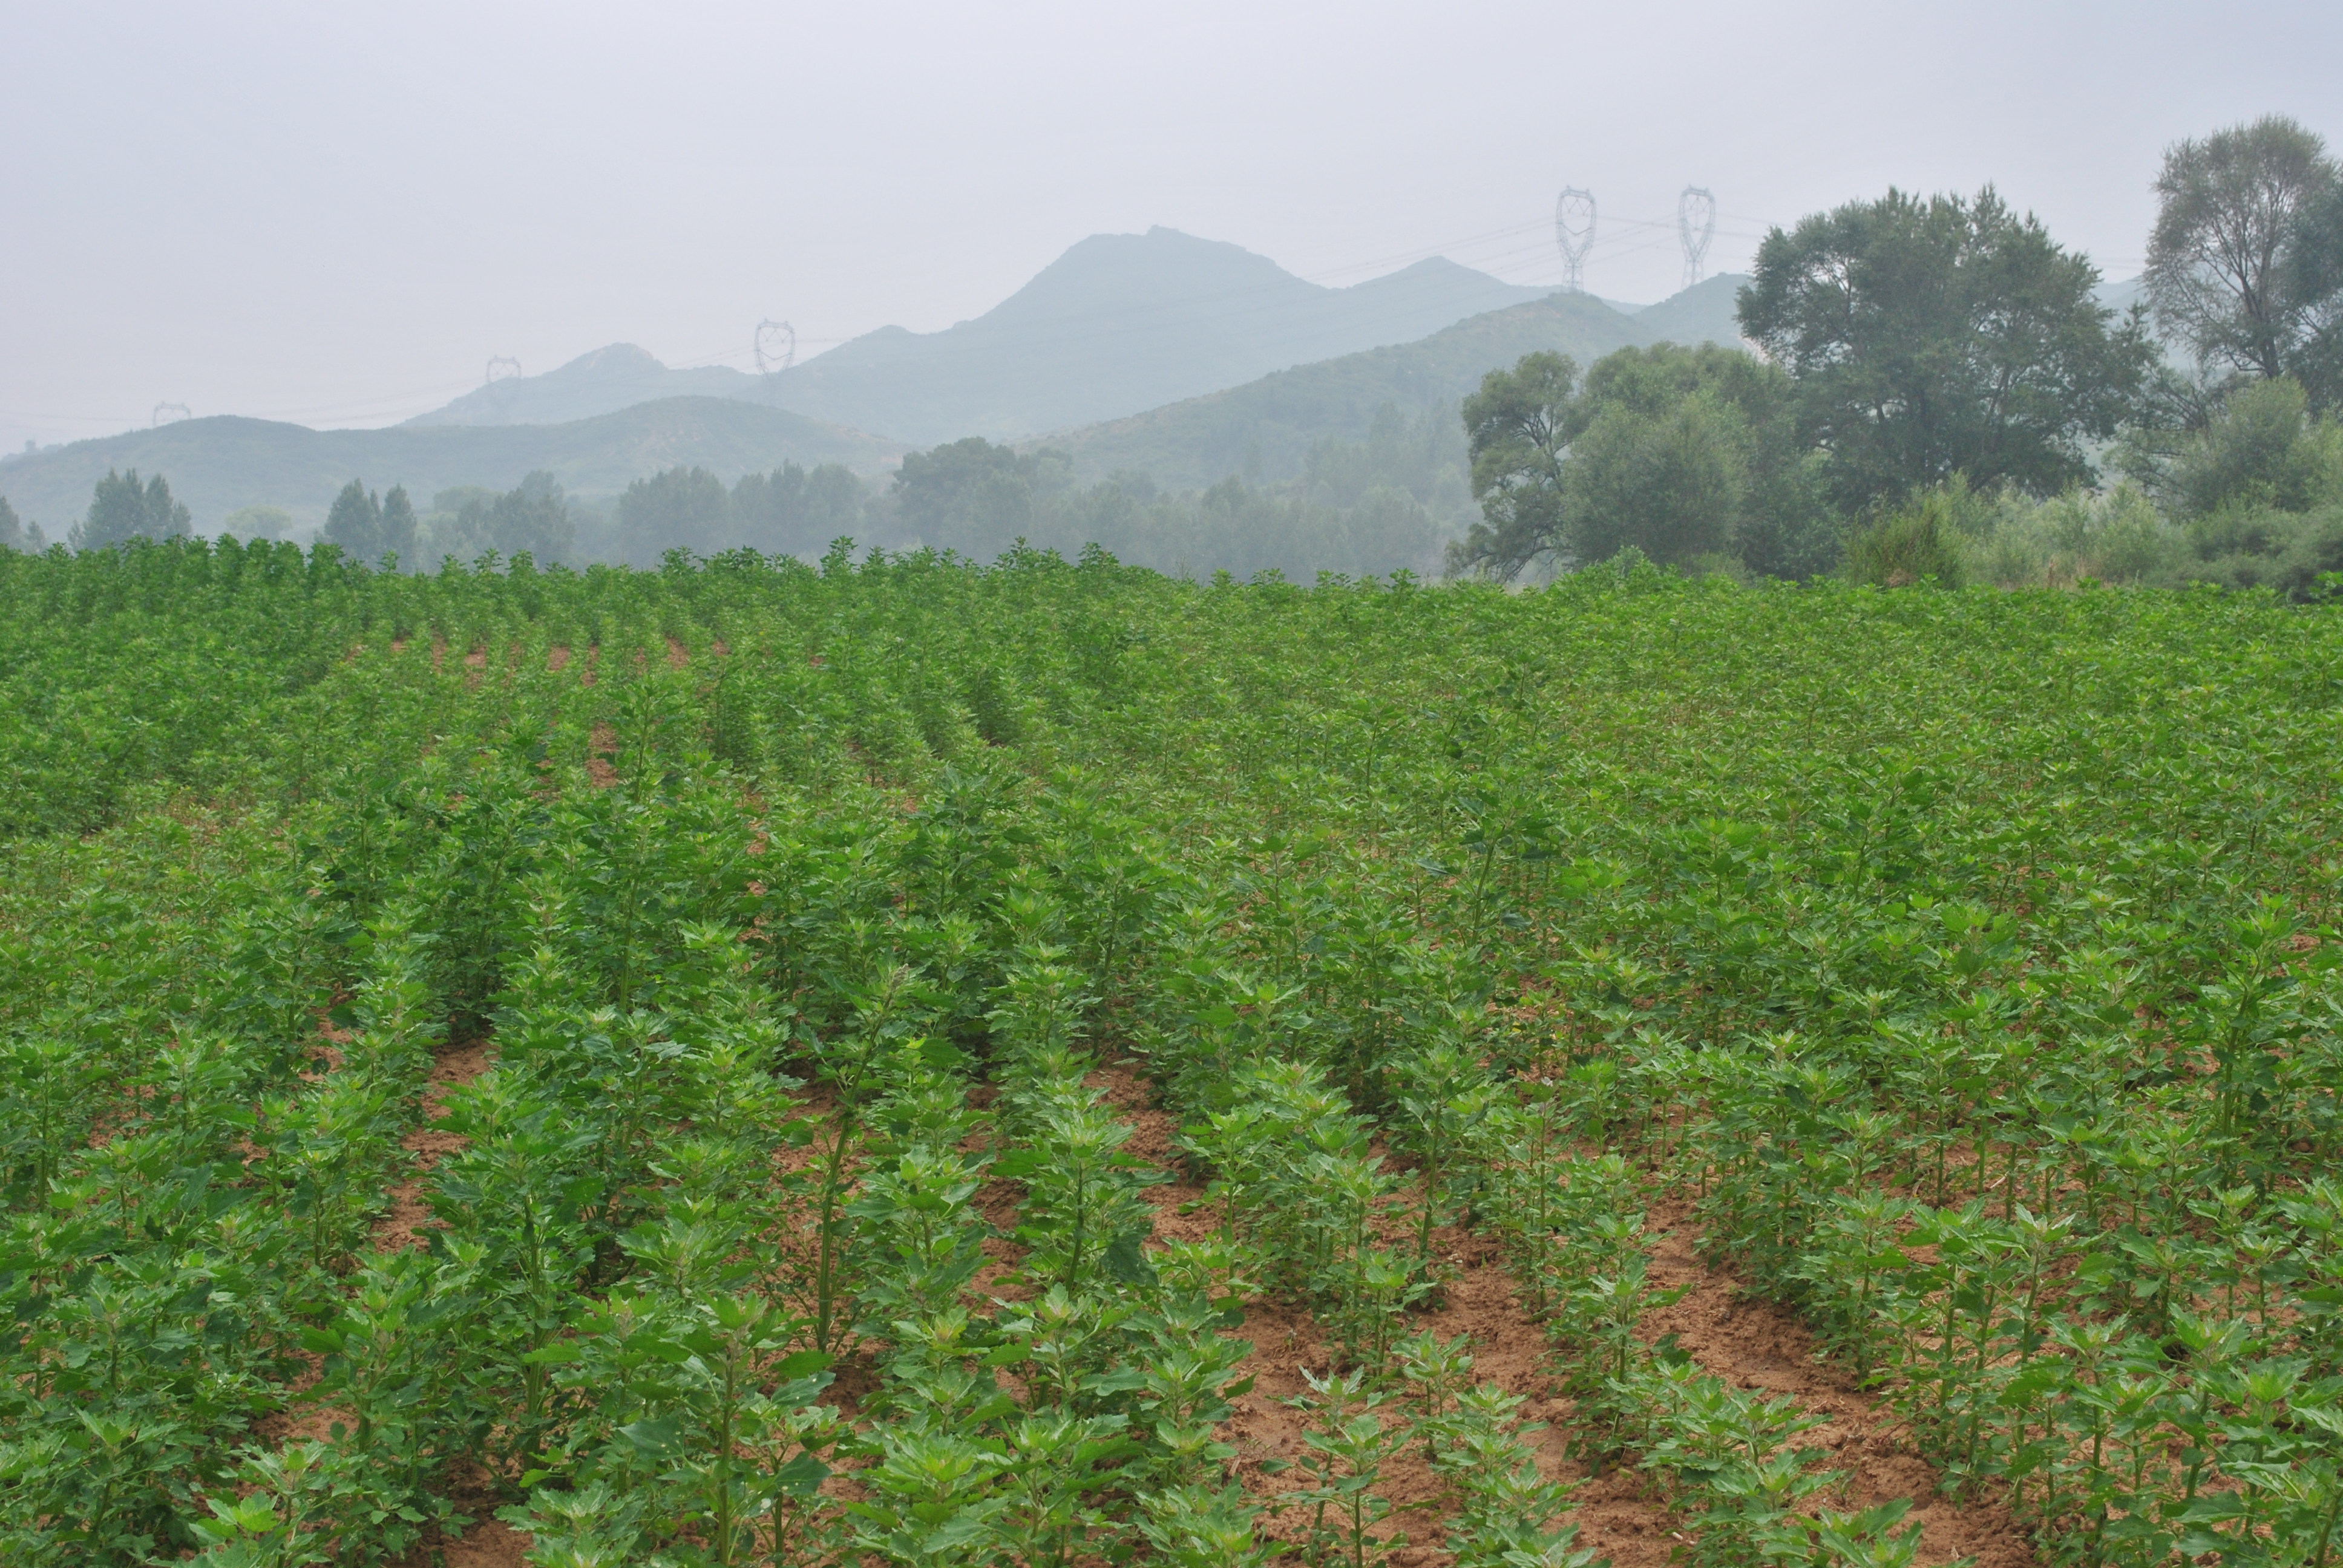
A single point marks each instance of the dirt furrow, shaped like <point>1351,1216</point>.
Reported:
<point>488,1542</point>
<point>1614,1513</point>
<point>1759,1344</point>
<point>404,1224</point>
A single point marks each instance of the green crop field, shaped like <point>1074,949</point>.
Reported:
<point>921,1064</point>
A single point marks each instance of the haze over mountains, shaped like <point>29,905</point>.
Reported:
<point>1120,323</point>
<point>1184,358</point>
<point>1265,429</point>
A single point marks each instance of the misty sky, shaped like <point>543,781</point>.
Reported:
<point>336,214</point>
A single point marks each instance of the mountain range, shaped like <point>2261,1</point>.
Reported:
<point>1120,323</point>
<point>1188,360</point>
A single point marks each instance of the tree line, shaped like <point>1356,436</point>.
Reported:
<point>1942,392</point>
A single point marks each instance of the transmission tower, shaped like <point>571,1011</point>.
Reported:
<point>1573,230</point>
<point>777,347</point>
<point>1697,223</point>
<point>171,413</point>
<point>502,368</point>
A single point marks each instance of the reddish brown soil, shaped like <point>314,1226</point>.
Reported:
<point>1508,1350</point>
<point>408,1217</point>
<point>678,655</point>
<point>600,747</point>
<point>1754,1345</point>
<point>488,1542</point>
<point>558,658</point>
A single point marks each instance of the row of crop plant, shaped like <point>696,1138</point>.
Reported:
<point>1246,1027</point>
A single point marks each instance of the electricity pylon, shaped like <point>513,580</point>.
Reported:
<point>1573,230</point>
<point>1696,224</point>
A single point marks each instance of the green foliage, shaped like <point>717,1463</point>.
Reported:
<point>2113,536</point>
<point>2259,548</point>
<point>789,511</point>
<point>368,527</point>
<point>1918,543</point>
<point>1958,970</point>
<point>14,534</point>
<point>2263,450</point>
<point>1932,337</point>
<point>121,510</point>
<point>1669,484</point>
<point>532,519</point>
<point>257,523</point>
<point>2241,262</point>
<point>972,490</point>
<point>1520,425</point>
<point>2314,280</point>
<point>1680,454</point>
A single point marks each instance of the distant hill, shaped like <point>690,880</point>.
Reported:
<point>1118,324</point>
<point>1264,429</point>
<point>1700,314</point>
<point>602,382</point>
<point>217,464</point>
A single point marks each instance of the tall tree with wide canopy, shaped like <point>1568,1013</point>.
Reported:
<point>2245,264</point>
<point>1940,337</point>
<point>1519,423</point>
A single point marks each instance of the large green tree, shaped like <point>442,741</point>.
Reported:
<point>1519,425</point>
<point>1940,337</point>
<point>1679,452</point>
<point>2245,264</point>
<point>121,508</point>
<point>974,495</point>
<point>685,507</point>
<point>369,527</point>
<point>532,519</point>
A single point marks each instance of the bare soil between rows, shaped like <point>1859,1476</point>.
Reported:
<point>1752,1344</point>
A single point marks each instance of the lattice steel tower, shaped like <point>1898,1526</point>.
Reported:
<point>775,344</point>
<point>1574,231</point>
<point>1696,224</point>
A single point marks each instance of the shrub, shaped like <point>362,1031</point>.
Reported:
<point>2261,547</point>
<point>1918,543</point>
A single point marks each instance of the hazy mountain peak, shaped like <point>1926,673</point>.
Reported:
<point>1163,268</point>
<point>611,359</point>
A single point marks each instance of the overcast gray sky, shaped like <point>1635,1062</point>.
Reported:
<point>336,214</point>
